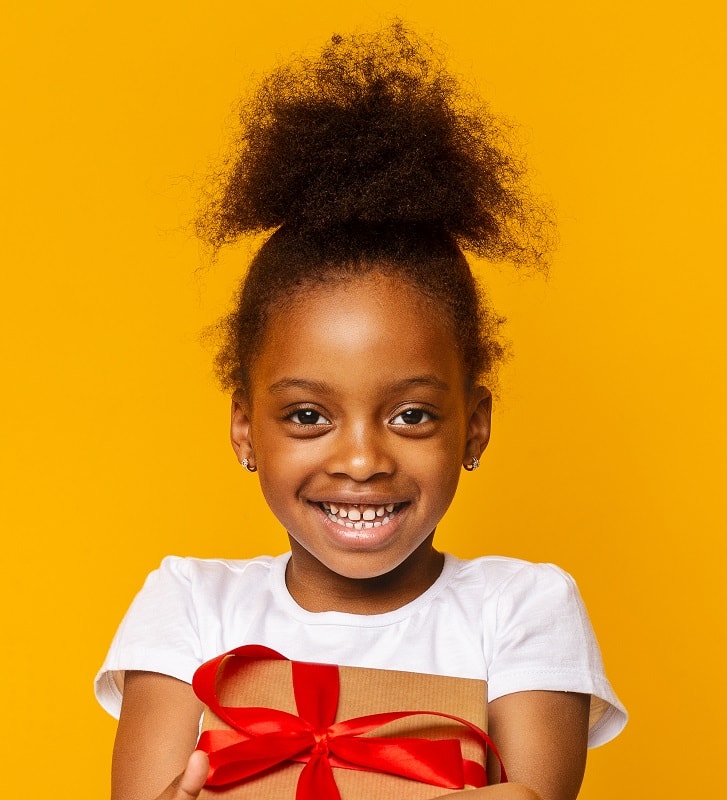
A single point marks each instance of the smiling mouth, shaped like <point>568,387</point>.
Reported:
<point>360,516</point>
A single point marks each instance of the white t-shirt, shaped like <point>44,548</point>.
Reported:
<point>517,625</point>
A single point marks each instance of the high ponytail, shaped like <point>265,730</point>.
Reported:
<point>370,156</point>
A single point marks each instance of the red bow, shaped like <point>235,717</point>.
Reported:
<point>262,738</point>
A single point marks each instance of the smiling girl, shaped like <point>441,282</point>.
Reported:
<point>357,358</point>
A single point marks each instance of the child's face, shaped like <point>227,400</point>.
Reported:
<point>357,411</point>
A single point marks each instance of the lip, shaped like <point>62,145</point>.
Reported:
<point>360,499</point>
<point>362,538</point>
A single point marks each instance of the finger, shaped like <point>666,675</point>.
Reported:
<point>189,784</point>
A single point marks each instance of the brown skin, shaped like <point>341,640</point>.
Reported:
<point>157,732</point>
<point>357,396</point>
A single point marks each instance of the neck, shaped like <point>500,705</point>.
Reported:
<point>316,588</point>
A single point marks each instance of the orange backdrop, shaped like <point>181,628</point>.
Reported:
<point>609,434</point>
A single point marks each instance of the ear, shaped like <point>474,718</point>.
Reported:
<point>240,428</point>
<point>478,429</point>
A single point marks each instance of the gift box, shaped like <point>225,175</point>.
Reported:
<point>280,730</point>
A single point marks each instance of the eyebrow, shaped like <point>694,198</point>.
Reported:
<point>431,381</point>
<point>299,383</point>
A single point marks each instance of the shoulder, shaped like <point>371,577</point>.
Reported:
<point>518,595</point>
<point>500,578</point>
<point>498,598</point>
<point>187,611</point>
<point>196,569</point>
<point>206,578</point>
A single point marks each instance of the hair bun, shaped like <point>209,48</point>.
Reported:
<point>375,131</point>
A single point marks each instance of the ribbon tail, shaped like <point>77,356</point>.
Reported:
<point>316,781</point>
<point>359,725</point>
<point>438,763</point>
<point>234,758</point>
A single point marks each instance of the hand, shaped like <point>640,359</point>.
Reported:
<point>189,784</point>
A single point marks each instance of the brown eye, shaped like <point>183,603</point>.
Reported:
<point>308,416</point>
<point>412,416</point>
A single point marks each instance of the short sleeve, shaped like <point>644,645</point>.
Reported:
<point>545,641</point>
<point>158,634</point>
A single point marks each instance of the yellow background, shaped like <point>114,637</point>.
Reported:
<point>609,436</point>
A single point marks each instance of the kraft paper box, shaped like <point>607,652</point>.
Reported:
<point>269,684</point>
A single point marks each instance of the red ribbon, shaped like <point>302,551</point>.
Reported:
<point>262,738</point>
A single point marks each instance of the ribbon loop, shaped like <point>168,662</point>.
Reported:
<point>316,689</point>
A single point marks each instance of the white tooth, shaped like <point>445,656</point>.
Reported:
<point>368,525</point>
<point>386,520</point>
<point>349,524</point>
<point>358,525</point>
<point>326,506</point>
<point>377,524</point>
<point>334,509</point>
<point>380,511</point>
<point>369,514</point>
<point>332,518</point>
<point>342,512</point>
<point>390,507</point>
<point>354,514</point>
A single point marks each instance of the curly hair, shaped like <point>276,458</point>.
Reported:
<point>371,158</point>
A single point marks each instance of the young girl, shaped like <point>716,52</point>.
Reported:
<point>357,359</point>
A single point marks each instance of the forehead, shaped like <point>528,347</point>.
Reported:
<point>371,322</point>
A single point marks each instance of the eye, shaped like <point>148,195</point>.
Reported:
<point>308,416</point>
<point>412,416</point>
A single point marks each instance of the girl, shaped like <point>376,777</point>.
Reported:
<point>357,359</point>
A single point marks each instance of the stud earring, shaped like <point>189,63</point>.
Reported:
<point>473,465</point>
<point>246,463</point>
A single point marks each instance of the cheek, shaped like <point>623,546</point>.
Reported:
<point>446,464</point>
<point>447,484</point>
<point>290,462</point>
<point>284,469</point>
<point>438,473</point>
<point>280,496</point>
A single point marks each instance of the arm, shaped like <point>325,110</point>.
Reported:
<point>542,738</point>
<point>157,731</point>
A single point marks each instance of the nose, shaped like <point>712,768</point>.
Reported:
<point>361,452</point>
